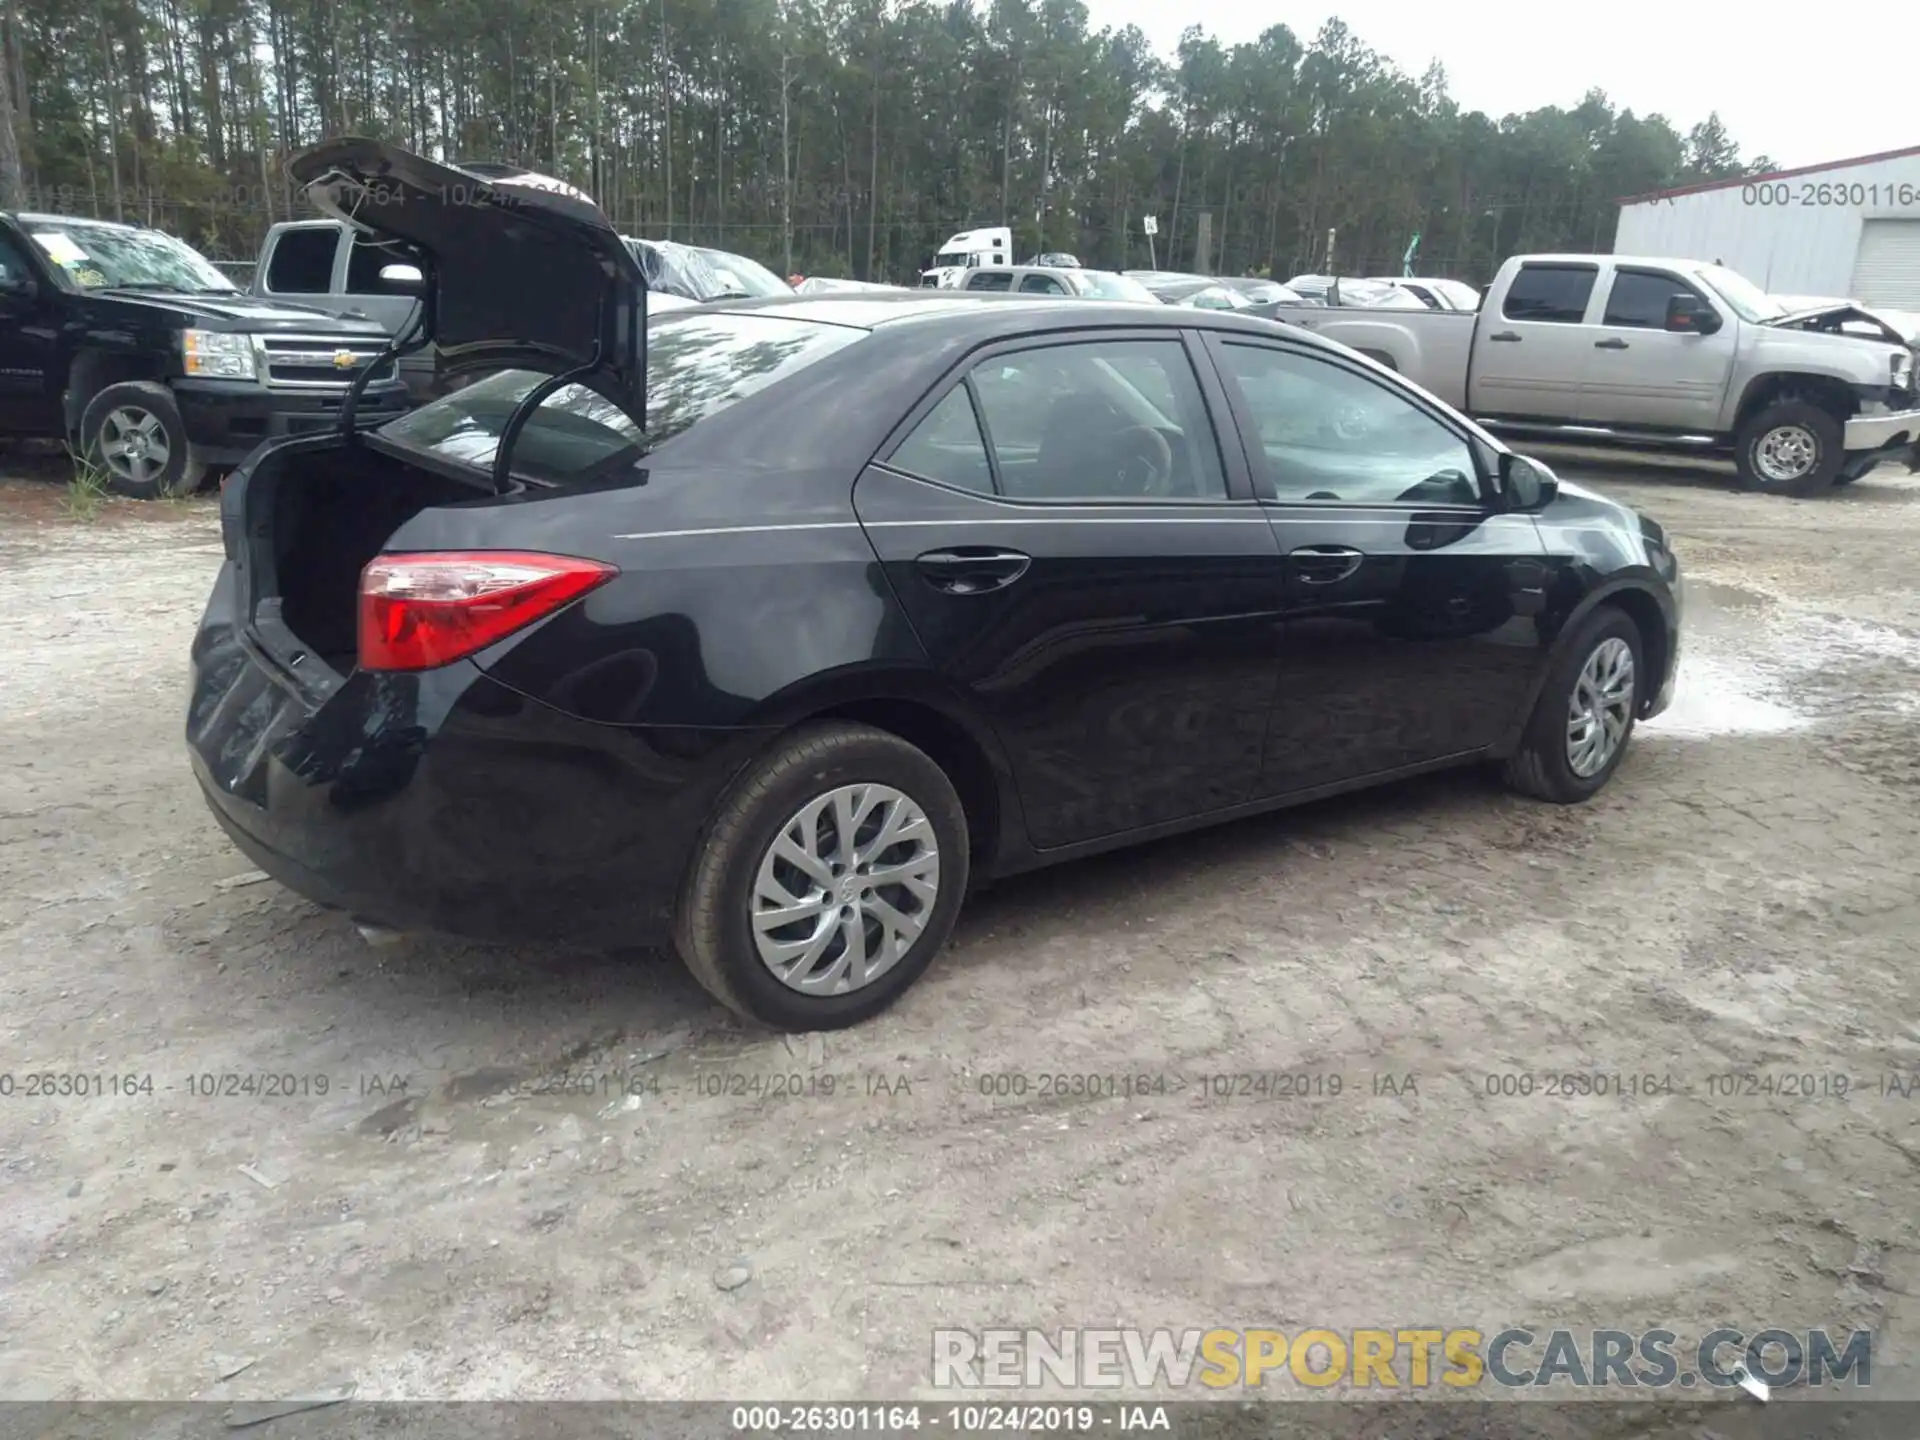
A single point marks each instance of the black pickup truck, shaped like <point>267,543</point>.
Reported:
<point>148,361</point>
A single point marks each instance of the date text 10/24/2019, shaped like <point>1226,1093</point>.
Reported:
<point>961,1419</point>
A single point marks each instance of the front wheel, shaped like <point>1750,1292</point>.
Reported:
<point>830,878</point>
<point>1791,448</point>
<point>133,434</point>
<point>1584,717</point>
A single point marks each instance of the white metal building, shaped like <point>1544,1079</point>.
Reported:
<point>1847,230</point>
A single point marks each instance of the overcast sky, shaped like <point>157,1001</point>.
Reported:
<point>1801,83</point>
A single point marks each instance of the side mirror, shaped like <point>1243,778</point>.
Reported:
<point>1526,484</point>
<point>18,287</point>
<point>406,279</point>
<point>1690,315</point>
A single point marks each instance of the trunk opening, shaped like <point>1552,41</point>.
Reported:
<point>315,519</point>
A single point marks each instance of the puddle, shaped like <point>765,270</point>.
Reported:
<point>1751,665</point>
<point>1712,697</point>
<point>1716,595</point>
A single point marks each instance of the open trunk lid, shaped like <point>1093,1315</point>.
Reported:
<point>521,271</point>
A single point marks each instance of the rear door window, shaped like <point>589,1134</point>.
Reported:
<point>697,365</point>
<point>1556,294</point>
<point>991,280</point>
<point>1041,285</point>
<point>302,261</point>
<point>1107,419</point>
<point>947,446</point>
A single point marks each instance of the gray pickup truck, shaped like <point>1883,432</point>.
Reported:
<point>1660,354</point>
<point>328,265</point>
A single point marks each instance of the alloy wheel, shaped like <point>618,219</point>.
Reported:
<point>1786,453</point>
<point>133,444</point>
<point>1601,707</point>
<point>845,889</point>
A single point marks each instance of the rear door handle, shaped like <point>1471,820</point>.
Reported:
<point>1504,335</point>
<point>1325,564</point>
<point>972,569</point>
<point>1609,344</point>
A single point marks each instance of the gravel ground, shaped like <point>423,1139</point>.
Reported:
<point>444,1222</point>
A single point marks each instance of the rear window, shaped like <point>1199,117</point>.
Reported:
<point>697,366</point>
<point>302,261</point>
<point>1556,294</point>
<point>1116,287</point>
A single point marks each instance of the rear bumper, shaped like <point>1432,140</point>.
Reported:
<point>227,419</point>
<point>446,801</point>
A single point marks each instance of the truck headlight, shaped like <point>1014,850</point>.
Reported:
<point>217,355</point>
<point>1902,369</point>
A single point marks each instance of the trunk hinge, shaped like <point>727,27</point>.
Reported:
<point>635,342</point>
<point>417,335</point>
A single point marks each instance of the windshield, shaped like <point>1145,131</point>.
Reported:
<point>1746,299</point>
<point>1215,297</point>
<point>698,363</point>
<point>1105,285</point>
<point>1458,294</point>
<point>1261,292</point>
<point>1387,297</point>
<point>100,257</point>
<point>677,269</point>
<point>741,276</point>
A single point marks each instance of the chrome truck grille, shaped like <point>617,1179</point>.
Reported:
<point>320,362</point>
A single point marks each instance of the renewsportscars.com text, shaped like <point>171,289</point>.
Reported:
<point>1400,1358</point>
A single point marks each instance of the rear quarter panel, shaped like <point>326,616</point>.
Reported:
<point>747,588</point>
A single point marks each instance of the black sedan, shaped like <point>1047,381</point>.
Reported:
<point>886,597</point>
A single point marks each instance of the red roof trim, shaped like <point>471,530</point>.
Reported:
<point>1770,175</point>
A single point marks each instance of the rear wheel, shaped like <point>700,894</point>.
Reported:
<point>1790,448</point>
<point>133,434</point>
<point>1584,717</point>
<point>829,880</point>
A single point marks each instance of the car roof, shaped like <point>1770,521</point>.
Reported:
<point>989,317</point>
<point>1659,262</point>
<point>35,217</point>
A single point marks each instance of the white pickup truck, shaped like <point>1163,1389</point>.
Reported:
<point>1660,354</point>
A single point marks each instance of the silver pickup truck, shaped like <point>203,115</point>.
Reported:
<point>1660,354</point>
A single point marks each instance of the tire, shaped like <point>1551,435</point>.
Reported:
<point>1543,766</point>
<point>1772,445</point>
<point>143,412</point>
<point>714,928</point>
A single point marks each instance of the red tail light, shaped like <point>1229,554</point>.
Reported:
<point>421,610</point>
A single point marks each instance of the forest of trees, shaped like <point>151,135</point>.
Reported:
<point>839,137</point>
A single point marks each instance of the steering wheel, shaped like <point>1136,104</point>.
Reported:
<point>1144,460</point>
<point>1350,422</point>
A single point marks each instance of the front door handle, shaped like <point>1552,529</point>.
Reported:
<point>972,569</point>
<point>1615,344</point>
<point>1325,564</point>
<point>1504,335</point>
